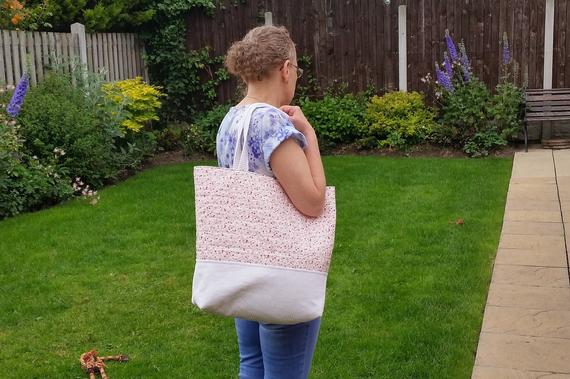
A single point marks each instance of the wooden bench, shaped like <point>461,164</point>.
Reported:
<point>545,105</point>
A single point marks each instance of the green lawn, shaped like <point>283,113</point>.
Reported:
<point>405,298</point>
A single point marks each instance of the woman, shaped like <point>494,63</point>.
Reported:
<point>281,143</point>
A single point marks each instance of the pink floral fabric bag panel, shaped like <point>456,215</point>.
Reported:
<point>257,256</point>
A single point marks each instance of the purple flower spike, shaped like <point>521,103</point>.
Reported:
<point>443,79</point>
<point>447,65</point>
<point>506,50</point>
<point>15,105</point>
<point>464,60</point>
<point>451,46</point>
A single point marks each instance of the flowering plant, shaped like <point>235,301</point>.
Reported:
<point>15,105</point>
<point>454,71</point>
<point>469,115</point>
<point>26,182</point>
<point>15,14</point>
<point>138,99</point>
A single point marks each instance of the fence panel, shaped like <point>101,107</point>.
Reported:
<point>34,52</point>
<point>356,41</point>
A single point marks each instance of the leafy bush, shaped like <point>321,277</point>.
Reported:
<point>56,115</point>
<point>86,125</point>
<point>481,143</point>
<point>507,109</point>
<point>189,78</point>
<point>470,116</point>
<point>464,111</point>
<point>336,119</point>
<point>200,136</point>
<point>398,119</point>
<point>26,183</point>
<point>138,99</point>
<point>171,136</point>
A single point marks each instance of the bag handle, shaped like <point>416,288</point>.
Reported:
<point>242,163</point>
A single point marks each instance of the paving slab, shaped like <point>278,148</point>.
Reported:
<point>532,242</point>
<point>545,298</point>
<point>486,372</point>
<point>531,276</point>
<point>530,195</point>
<point>544,258</point>
<point>527,322</point>
<point>550,180</point>
<point>533,164</point>
<point>533,228</point>
<point>562,159</point>
<point>532,205</point>
<point>524,353</point>
<point>537,216</point>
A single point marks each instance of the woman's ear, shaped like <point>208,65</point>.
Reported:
<point>285,70</point>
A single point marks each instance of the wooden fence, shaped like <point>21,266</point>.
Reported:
<point>119,55</point>
<point>356,41</point>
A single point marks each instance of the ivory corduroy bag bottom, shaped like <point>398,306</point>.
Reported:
<point>257,256</point>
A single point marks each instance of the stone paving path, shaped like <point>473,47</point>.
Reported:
<point>526,327</point>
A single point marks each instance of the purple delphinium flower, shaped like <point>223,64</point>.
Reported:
<point>443,79</point>
<point>506,51</point>
<point>447,65</point>
<point>464,60</point>
<point>451,46</point>
<point>15,105</point>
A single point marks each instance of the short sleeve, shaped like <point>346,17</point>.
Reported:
<point>275,127</point>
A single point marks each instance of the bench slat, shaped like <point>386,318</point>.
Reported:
<point>550,118</point>
<point>547,108</point>
<point>548,97</point>
<point>555,114</point>
<point>542,90</point>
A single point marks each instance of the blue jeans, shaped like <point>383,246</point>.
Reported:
<point>270,351</point>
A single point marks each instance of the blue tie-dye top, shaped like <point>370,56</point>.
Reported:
<point>268,127</point>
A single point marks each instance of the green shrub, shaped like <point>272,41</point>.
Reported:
<point>336,119</point>
<point>398,119</point>
<point>470,117</point>
<point>139,100</point>
<point>200,136</point>
<point>171,136</point>
<point>480,144</point>
<point>507,109</point>
<point>56,115</point>
<point>464,112</point>
<point>26,183</point>
<point>478,122</point>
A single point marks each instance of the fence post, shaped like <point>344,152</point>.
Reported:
<point>78,33</point>
<point>402,49</point>
<point>268,18</point>
<point>548,44</point>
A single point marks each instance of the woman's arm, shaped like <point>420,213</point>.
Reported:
<point>300,172</point>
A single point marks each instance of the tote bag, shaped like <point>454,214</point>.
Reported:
<point>257,256</point>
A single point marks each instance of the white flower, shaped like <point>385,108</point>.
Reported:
<point>59,151</point>
<point>35,157</point>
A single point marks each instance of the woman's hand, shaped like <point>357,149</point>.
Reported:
<point>298,119</point>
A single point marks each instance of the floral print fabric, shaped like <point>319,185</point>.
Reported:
<point>268,128</point>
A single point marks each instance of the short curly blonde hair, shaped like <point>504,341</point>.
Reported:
<point>262,49</point>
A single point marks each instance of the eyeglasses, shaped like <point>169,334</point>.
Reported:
<point>299,70</point>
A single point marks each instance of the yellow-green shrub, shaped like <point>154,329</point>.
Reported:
<point>398,119</point>
<point>139,100</point>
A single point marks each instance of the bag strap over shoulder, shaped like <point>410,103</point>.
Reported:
<point>241,152</point>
